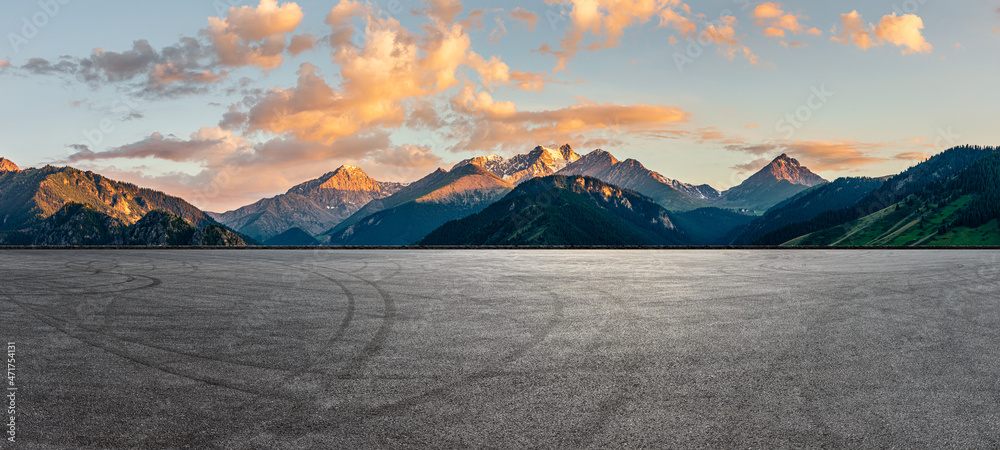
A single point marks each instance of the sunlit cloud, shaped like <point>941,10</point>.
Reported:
<point>821,155</point>
<point>529,19</point>
<point>902,31</point>
<point>606,21</point>
<point>777,23</point>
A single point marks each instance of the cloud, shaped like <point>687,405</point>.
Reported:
<point>723,33</point>
<point>793,44</point>
<point>912,156</point>
<point>4,64</point>
<point>247,36</point>
<point>250,36</point>
<point>445,10</point>
<point>498,32</point>
<point>384,77</point>
<point>529,19</point>
<point>409,156</point>
<point>487,125</point>
<point>818,155</point>
<point>777,22</point>
<point>751,167</point>
<point>301,43</point>
<point>607,20</point>
<point>901,31</point>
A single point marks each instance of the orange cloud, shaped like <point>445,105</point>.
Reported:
<point>901,31</point>
<point>777,22</point>
<point>383,78</point>
<point>723,33</point>
<point>489,125</point>
<point>529,19</point>
<point>250,36</point>
<point>409,156</point>
<point>818,155</point>
<point>912,156</point>
<point>607,20</point>
<point>752,166</point>
<point>301,43</point>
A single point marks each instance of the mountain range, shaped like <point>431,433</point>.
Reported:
<point>417,209</point>
<point>564,211</point>
<point>544,197</point>
<point>314,206</point>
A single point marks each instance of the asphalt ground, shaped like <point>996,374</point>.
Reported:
<point>513,349</point>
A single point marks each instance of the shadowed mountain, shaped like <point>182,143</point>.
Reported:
<point>560,210</point>
<point>631,174</point>
<point>938,168</point>
<point>540,162</point>
<point>808,204</point>
<point>77,224</point>
<point>781,179</point>
<point>408,215</point>
<point>293,237</point>
<point>28,197</point>
<point>314,206</point>
<point>711,226</point>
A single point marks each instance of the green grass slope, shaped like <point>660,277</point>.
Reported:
<point>963,210</point>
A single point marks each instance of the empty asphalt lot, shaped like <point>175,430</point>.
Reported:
<point>570,349</point>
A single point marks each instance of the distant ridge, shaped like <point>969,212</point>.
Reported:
<point>313,206</point>
<point>777,181</point>
<point>408,215</point>
<point>540,162</point>
<point>631,174</point>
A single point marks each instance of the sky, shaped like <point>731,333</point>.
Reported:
<point>224,102</point>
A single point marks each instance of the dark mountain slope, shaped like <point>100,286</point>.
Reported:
<point>808,204</point>
<point>293,237</point>
<point>711,226</point>
<point>77,224</point>
<point>564,211</point>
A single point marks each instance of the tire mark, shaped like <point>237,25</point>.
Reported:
<point>146,362</point>
<point>442,391</point>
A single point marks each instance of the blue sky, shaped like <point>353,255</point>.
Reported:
<point>268,95</point>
